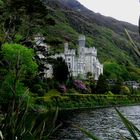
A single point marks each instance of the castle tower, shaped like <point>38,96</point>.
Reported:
<point>81,41</point>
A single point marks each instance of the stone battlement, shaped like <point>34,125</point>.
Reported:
<point>91,51</point>
<point>70,52</point>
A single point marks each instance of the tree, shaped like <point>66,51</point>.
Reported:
<point>22,17</point>
<point>19,63</point>
<point>60,70</point>
<point>102,85</point>
<point>116,89</point>
<point>112,70</point>
<point>19,59</point>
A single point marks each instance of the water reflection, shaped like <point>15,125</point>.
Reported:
<point>104,123</point>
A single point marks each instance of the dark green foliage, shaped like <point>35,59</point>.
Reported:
<point>22,17</point>
<point>69,82</point>
<point>92,87</point>
<point>52,84</point>
<point>36,85</point>
<point>24,123</point>
<point>116,89</point>
<point>10,88</point>
<point>37,88</point>
<point>102,85</point>
<point>60,70</point>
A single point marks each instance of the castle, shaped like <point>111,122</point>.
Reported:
<point>79,64</point>
<point>86,60</point>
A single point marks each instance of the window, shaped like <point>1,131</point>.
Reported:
<point>69,65</point>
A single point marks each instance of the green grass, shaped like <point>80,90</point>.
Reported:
<point>55,99</point>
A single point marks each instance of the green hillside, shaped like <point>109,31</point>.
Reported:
<point>69,19</point>
<point>112,43</point>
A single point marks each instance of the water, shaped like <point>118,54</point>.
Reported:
<point>103,123</point>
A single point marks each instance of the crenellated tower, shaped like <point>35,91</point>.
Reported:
<point>81,41</point>
<point>81,49</point>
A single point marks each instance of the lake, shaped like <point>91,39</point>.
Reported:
<point>103,122</point>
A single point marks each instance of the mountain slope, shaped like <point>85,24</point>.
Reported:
<point>105,33</point>
<point>73,5</point>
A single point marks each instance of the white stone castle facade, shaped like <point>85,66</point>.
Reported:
<point>85,61</point>
<point>79,64</point>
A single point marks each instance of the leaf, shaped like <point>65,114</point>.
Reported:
<point>124,138</point>
<point>129,125</point>
<point>132,43</point>
<point>28,136</point>
<point>88,134</point>
<point>1,136</point>
<point>53,128</point>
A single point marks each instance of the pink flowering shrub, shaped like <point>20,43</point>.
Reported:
<point>79,85</point>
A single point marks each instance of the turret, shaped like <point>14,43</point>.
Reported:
<point>81,41</point>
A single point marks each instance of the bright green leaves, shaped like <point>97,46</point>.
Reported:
<point>18,64</point>
<point>113,70</point>
<point>19,58</point>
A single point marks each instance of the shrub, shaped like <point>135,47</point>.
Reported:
<point>71,91</point>
<point>124,90</point>
<point>62,88</point>
<point>117,87</point>
<point>69,82</point>
<point>60,70</point>
<point>109,94</point>
<point>37,88</point>
<point>80,86</point>
<point>102,85</point>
